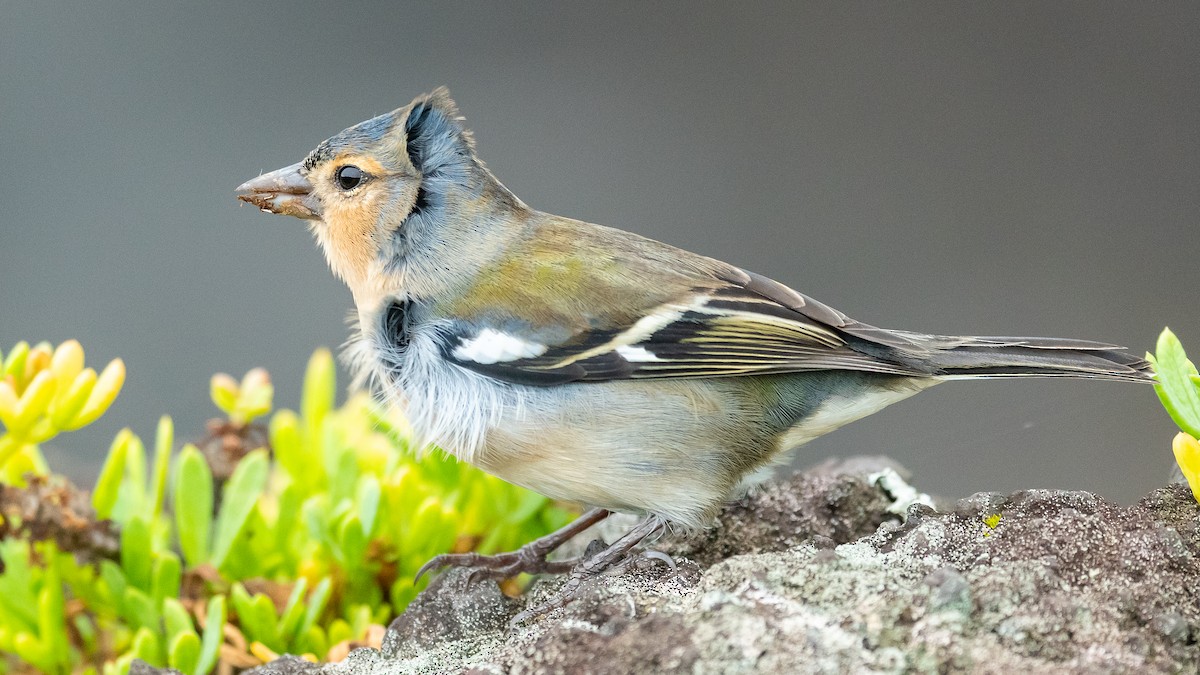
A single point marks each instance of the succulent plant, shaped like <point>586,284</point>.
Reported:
<point>311,544</point>
<point>45,391</point>
<point>1178,387</point>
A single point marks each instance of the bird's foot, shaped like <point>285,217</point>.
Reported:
<point>529,559</point>
<point>613,558</point>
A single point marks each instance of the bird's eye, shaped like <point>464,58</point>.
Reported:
<point>349,177</point>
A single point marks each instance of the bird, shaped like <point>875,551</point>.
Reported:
<point>591,364</point>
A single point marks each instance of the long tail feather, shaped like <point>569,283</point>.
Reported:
<point>981,357</point>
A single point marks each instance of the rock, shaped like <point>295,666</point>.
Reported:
<point>826,507</point>
<point>288,665</point>
<point>449,609</point>
<point>140,667</point>
<point>813,575</point>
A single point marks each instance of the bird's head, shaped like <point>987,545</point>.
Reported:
<point>383,192</point>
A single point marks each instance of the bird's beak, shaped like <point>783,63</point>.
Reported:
<point>284,191</point>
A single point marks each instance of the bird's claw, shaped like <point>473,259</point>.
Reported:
<point>487,565</point>
<point>530,558</point>
<point>500,566</point>
<point>663,558</point>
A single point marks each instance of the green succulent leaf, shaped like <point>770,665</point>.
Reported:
<point>241,494</point>
<point>164,438</point>
<point>344,475</point>
<point>71,404</point>
<point>184,653</point>
<point>108,485</point>
<point>34,651</point>
<point>340,630</point>
<point>52,617</point>
<point>166,577</point>
<point>369,494</point>
<point>320,387</point>
<point>224,390</point>
<point>1175,387</point>
<point>38,394</point>
<point>210,641</point>
<point>140,610</point>
<point>353,541</point>
<point>290,499</point>
<point>193,505</point>
<point>135,553</point>
<point>256,395</point>
<point>339,509</point>
<point>315,514</point>
<point>316,605</point>
<point>289,447</point>
<point>293,612</point>
<point>18,590</point>
<point>313,641</point>
<point>147,647</point>
<point>133,498</point>
<point>114,580</point>
<point>256,616</point>
<point>15,363</point>
<point>177,620</point>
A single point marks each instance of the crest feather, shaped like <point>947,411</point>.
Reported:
<point>435,134</point>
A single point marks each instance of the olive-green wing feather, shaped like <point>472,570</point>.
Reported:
<point>746,325</point>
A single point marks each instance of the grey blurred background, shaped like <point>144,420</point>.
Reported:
<point>1004,168</point>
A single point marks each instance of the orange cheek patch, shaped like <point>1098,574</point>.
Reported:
<point>352,219</point>
<point>350,226</point>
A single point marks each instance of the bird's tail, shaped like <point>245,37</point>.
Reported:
<point>981,357</point>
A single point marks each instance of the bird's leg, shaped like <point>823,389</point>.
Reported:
<point>612,556</point>
<point>530,558</point>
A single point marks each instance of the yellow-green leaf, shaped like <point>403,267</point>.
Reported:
<point>108,485</point>
<point>176,619</point>
<point>1175,388</point>
<point>240,494</point>
<point>319,387</point>
<point>223,390</point>
<point>210,642</point>
<point>70,401</point>
<point>67,362</point>
<point>184,653</point>
<point>9,402</point>
<point>38,394</point>
<point>108,385</point>
<point>164,438</point>
<point>193,497</point>
<point>15,363</point>
<point>135,552</point>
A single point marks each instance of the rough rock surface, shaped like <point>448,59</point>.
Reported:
<point>814,576</point>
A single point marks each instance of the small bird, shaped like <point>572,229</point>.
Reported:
<point>590,364</point>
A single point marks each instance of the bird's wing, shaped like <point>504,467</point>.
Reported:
<point>739,324</point>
